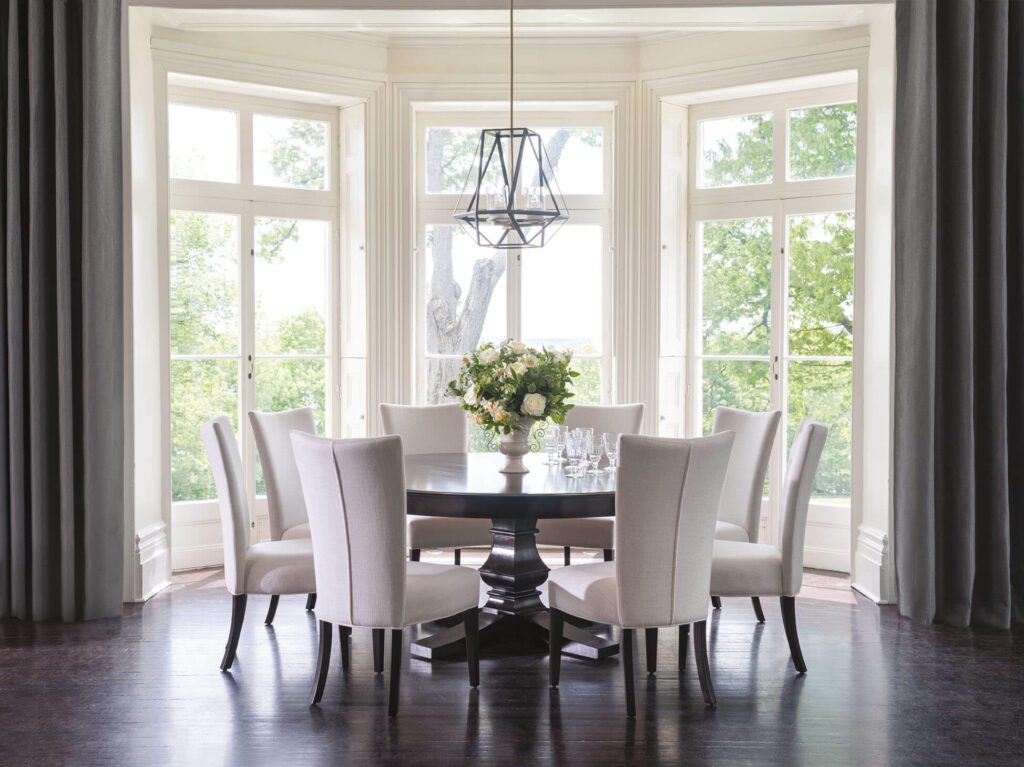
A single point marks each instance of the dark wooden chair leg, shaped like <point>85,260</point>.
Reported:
<point>789,621</point>
<point>414,555</point>
<point>237,616</point>
<point>556,620</point>
<point>345,635</point>
<point>458,556</point>
<point>756,601</point>
<point>609,555</point>
<point>716,602</point>
<point>684,642</point>
<point>378,651</point>
<point>310,602</point>
<point>323,661</point>
<point>272,610</point>
<point>471,625</point>
<point>567,555</point>
<point>396,670</point>
<point>700,654</point>
<point>627,669</point>
<point>651,635</point>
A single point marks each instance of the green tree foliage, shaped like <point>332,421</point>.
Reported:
<point>298,159</point>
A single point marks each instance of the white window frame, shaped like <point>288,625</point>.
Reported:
<point>584,209</point>
<point>249,201</point>
<point>776,200</point>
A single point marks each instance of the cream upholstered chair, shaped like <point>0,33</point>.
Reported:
<point>666,501</point>
<point>740,511</point>
<point>285,504</point>
<point>746,569</point>
<point>355,495</point>
<point>272,568</point>
<point>435,429</point>
<point>593,532</point>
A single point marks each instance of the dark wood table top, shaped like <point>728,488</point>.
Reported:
<point>470,485</point>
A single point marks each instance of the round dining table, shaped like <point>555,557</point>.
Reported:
<point>470,485</point>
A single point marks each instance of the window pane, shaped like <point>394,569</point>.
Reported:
<point>821,284</point>
<point>557,317</point>
<point>200,390</point>
<point>824,391</point>
<point>202,143</point>
<point>577,159</point>
<point>291,285</point>
<point>204,291</point>
<point>286,384</point>
<point>736,281</point>
<point>587,387</point>
<point>289,152</point>
<point>450,154</point>
<point>733,383</point>
<point>822,142</point>
<point>736,151</point>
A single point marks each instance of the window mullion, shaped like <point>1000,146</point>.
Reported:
<point>513,282</point>
<point>248,341</point>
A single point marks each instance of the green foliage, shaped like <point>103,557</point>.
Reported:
<point>823,141</point>
<point>298,159</point>
<point>750,162</point>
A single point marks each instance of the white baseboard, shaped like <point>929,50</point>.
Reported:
<point>872,570</point>
<point>151,562</point>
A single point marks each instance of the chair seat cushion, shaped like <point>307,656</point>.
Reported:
<point>586,591</point>
<point>746,570</point>
<point>280,567</point>
<point>438,591</point>
<point>727,531</point>
<point>297,531</point>
<point>448,532</point>
<point>584,533</point>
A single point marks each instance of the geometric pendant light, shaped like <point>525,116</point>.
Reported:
<point>510,198</point>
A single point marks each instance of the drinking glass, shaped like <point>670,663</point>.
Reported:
<point>594,452</point>
<point>573,452</point>
<point>551,446</point>
<point>561,432</point>
<point>611,449</point>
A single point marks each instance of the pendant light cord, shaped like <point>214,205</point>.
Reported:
<point>511,70</point>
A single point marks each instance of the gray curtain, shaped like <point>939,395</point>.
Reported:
<point>61,350</point>
<point>959,303</point>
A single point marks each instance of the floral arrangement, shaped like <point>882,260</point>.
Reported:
<point>500,384</point>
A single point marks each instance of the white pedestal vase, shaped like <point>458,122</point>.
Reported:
<point>515,445</point>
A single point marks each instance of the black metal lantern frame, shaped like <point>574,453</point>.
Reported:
<point>498,207</point>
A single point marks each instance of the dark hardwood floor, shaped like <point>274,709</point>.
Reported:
<point>146,690</point>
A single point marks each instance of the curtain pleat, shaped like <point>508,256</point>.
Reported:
<point>62,465</point>
<point>958,398</point>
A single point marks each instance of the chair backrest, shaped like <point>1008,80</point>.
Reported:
<point>748,465</point>
<point>618,419</point>
<point>666,502</point>
<point>226,463</point>
<point>427,428</point>
<point>804,454</point>
<point>355,497</point>
<point>285,503</point>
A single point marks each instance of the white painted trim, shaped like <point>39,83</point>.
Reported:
<point>873,565</point>
<point>150,564</point>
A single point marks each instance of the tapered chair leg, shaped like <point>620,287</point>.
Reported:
<point>700,654</point>
<point>684,642</point>
<point>272,610</point>
<point>378,651</point>
<point>789,621</point>
<point>627,669</point>
<point>414,555</point>
<point>651,635</point>
<point>756,601</point>
<point>310,602</point>
<point>237,616</point>
<point>555,622</point>
<point>609,555</point>
<point>396,671</point>
<point>716,602</point>
<point>471,625</point>
<point>345,635</point>
<point>323,661</point>
<point>458,556</point>
<point>567,555</point>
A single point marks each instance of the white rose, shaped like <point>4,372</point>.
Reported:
<point>488,356</point>
<point>530,361</point>
<point>517,347</point>
<point>558,357</point>
<point>470,396</point>
<point>518,368</point>
<point>533,405</point>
